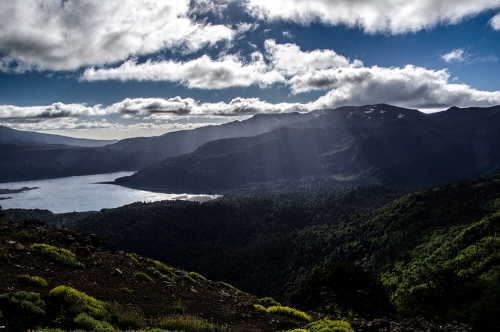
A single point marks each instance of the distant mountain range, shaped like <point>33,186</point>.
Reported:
<point>11,135</point>
<point>24,158</point>
<point>394,145</point>
<point>390,144</point>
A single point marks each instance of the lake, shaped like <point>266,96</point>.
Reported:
<point>82,193</point>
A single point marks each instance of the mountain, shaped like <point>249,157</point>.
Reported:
<point>27,160</point>
<point>12,135</point>
<point>394,145</point>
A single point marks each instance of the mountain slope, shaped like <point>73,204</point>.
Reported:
<point>395,145</point>
<point>41,291</point>
<point>12,135</point>
<point>26,160</point>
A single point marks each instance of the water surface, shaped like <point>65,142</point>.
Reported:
<point>82,193</point>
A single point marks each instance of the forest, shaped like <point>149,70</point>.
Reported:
<point>434,251</point>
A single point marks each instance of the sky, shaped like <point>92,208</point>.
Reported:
<point>116,69</point>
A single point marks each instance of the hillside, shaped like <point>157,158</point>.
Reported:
<point>25,159</point>
<point>18,136</point>
<point>436,249</point>
<point>117,282</point>
<point>394,145</point>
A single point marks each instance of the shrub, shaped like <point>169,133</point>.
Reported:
<point>143,276</point>
<point>59,255</point>
<point>127,291</point>
<point>269,301</point>
<point>191,280</point>
<point>197,276</point>
<point>179,308</point>
<point>133,257</point>
<point>161,267</point>
<point>225,284</point>
<point>92,323</point>
<point>291,312</point>
<point>329,326</point>
<point>27,300</point>
<point>125,319</point>
<point>188,324</point>
<point>260,308</point>
<point>80,301</point>
<point>296,330</point>
<point>159,275</point>
<point>38,281</point>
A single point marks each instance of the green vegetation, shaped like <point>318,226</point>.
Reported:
<point>225,284</point>
<point>260,308</point>
<point>179,308</point>
<point>38,281</point>
<point>269,301</point>
<point>30,301</point>
<point>161,267</point>
<point>188,324</point>
<point>284,311</point>
<point>197,276</point>
<point>133,257</point>
<point>58,255</point>
<point>80,302</point>
<point>290,312</point>
<point>329,326</point>
<point>90,322</point>
<point>191,280</point>
<point>127,291</point>
<point>157,274</point>
<point>143,276</point>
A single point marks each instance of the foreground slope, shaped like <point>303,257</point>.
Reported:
<point>38,290</point>
<point>395,145</point>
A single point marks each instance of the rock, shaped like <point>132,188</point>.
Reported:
<point>23,279</point>
<point>117,272</point>
<point>225,294</point>
<point>19,247</point>
<point>193,290</point>
<point>82,251</point>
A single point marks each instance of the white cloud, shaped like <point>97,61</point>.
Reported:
<point>457,55</point>
<point>495,22</point>
<point>56,110</point>
<point>374,16</point>
<point>202,73</point>
<point>65,35</point>
<point>290,60</point>
<point>410,86</point>
<point>284,61</point>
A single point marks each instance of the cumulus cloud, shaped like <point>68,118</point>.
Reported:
<point>56,110</point>
<point>202,73</point>
<point>279,64</point>
<point>144,108</point>
<point>65,35</point>
<point>410,86</point>
<point>376,16</point>
<point>495,22</point>
<point>457,55</point>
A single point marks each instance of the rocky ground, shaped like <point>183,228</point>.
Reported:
<point>107,272</point>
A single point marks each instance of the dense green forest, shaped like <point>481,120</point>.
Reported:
<point>435,251</point>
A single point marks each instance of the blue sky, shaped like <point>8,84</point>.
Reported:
<point>118,69</point>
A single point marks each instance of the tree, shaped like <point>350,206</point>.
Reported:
<point>343,289</point>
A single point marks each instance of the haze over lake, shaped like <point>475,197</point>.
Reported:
<point>82,193</point>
